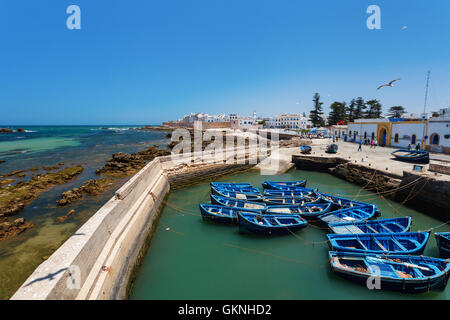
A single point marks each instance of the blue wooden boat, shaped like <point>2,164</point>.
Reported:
<point>416,156</point>
<point>332,148</point>
<point>288,185</point>
<point>241,204</point>
<point>354,214</point>
<point>306,211</point>
<point>443,243</point>
<point>237,195</point>
<point>270,224</point>
<point>343,202</point>
<point>297,192</point>
<point>412,274</point>
<point>393,225</point>
<point>230,185</point>
<point>222,214</point>
<point>305,149</point>
<point>237,189</point>
<point>384,243</point>
<point>277,200</point>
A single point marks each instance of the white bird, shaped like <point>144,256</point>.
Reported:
<point>390,84</point>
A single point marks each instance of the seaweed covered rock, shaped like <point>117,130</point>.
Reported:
<point>13,228</point>
<point>90,187</point>
<point>14,198</point>
<point>124,164</point>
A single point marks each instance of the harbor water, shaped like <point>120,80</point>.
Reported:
<point>192,259</point>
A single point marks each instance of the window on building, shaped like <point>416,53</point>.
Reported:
<point>413,139</point>
<point>434,139</point>
<point>396,138</point>
<point>373,135</point>
<point>365,134</point>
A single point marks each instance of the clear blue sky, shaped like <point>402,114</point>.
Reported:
<point>140,61</point>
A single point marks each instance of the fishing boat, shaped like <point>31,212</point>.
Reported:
<point>354,214</point>
<point>237,189</point>
<point>269,224</point>
<point>418,156</point>
<point>412,274</point>
<point>231,185</point>
<point>443,243</point>
<point>289,185</point>
<point>393,225</point>
<point>278,200</point>
<point>343,202</point>
<point>241,204</point>
<point>237,195</point>
<point>220,214</point>
<point>305,211</point>
<point>297,192</point>
<point>305,149</point>
<point>332,148</point>
<point>384,243</point>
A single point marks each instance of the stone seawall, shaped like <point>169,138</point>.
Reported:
<point>100,259</point>
<point>421,191</point>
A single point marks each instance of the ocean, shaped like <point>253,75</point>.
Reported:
<point>88,146</point>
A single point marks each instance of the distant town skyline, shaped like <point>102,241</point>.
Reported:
<point>151,62</point>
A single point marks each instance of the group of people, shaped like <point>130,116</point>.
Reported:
<point>417,147</point>
<point>372,142</point>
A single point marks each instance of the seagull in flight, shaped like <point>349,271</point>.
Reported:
<point>390,84</point>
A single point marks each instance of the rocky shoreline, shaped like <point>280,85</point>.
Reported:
<point>90,187</point>
<point>7,130</point>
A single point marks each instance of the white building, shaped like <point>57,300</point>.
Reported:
<point>339,131</point>
<point>293,121</point>
<point>429,133</point>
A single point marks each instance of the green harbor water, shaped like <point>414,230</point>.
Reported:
<point>192,259</point>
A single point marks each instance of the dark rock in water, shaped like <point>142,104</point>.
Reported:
<point>6,130</point>
<point>15,198</point>
<point>11,229</point>
<point>20,130</point>
<point>91,187</point>
<point>50,168</point>
<point>64,218</point>
<point>2,161</point>
<point>124,164</point>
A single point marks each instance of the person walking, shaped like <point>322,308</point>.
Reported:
<point>418,147</point>
<point>371,144</point>
<point>360,146</point>
<point>375,144</point>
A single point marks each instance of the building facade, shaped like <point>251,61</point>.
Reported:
<point>339,131</point>
<point>292,121</point>
<point>430,134</point>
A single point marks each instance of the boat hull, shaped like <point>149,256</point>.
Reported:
<point>394,225</point>
<point>207,215</point>
<point>290,185</point>
<point>412,156</point>
<point>408,243</point>
<point>247,226</point>
<point>443,244</point>
<point>409,285</point>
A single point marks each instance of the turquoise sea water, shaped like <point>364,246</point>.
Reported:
<point>192,259</point>
<point>89,146</point>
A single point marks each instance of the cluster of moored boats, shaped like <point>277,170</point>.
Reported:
<point>360,248</point>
